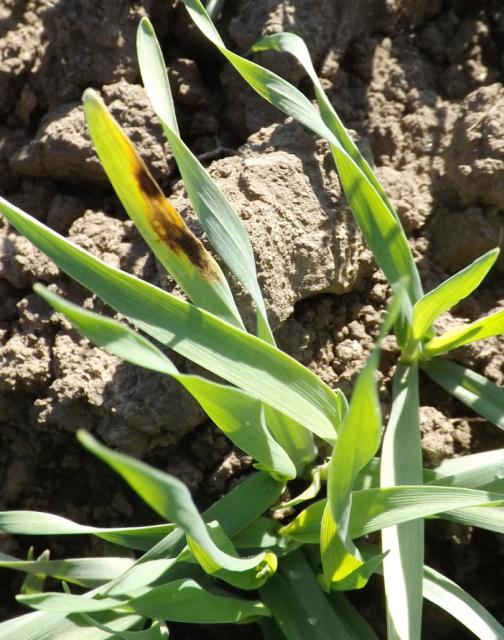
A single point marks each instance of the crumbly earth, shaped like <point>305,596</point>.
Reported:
<point>420,83</point>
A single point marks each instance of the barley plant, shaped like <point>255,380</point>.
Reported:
<point>235,562</point>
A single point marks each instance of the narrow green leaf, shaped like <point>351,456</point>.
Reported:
<point>160,224</point>
<point>46,524</point>
<point>358,441</point>
<point>469,387</point>
<point>87,572</point>
<point>475,471</point>
<point>34,581</point>
<point>235,512</point>
<point>237,414</point>
<point>157,631</point>
<point>186,601</point>
<point>299,605</point>
<point>376,509</point>
<point>478,470</point>
<point>293,438</point>
<point>449,596</point>
<point>492,325</point>
<point>379,226</point>
<point>295,45</point>
<point>262,533</point>
<point>172,500</point>
<point>247,580</point>
<point>489,518</point>
<point>401,464</point>
<point>357,627</point>
<point>449,293</point>
<point>311,491</point>
<point>56,626</point>
<point>178,601</point>
<point>222,226</point>
<point>246,361</point>
<point>68,603</point>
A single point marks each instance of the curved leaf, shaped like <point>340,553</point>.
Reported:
<point>242,359</point>
<point>450,292</point>
<point>487,327</point>
<point>160,224</point>
<point>237,414</point>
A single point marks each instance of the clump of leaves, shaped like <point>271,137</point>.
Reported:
<point>292,573</point>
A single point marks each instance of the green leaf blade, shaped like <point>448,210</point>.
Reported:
<point>172,500</point>
<point>248,362</point>
<point>160,224</point>
<point>469,387</point>
<point>401,463</point>
<point>449,293</point>
<point>487,327</point>
<point>236,413</point>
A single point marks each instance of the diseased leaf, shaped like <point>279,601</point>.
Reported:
<point>246,361</point>
<point>222,226</point>
<point>160,224</point>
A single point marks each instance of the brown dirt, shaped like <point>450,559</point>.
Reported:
<point>420,83</point>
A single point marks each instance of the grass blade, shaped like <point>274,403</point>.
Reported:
<point>299,605</point>
<point>222,226</point>
<point>56,626</point>
<point>469,387</point>
<point>160,224</point>
<point>295,45</point>
<point>186,601</point>
<point>240,358</point>
<point>379,226</point>
<point>376,509</point>
<point>178,601</point>
<point>449,293</point>
<point>478,470</point>
<point>447,595</point>
<point>492,325</point>
<point>235,512</point>
<point>86,572</point>
<point>172,500</point>
<point>358,441</point>
<point>237,414</point>
<point>401,463</point>
<point>46,524</point>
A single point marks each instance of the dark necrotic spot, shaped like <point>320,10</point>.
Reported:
<point>147,183</point>
<point>193,250</point>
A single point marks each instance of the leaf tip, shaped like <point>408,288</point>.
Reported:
<point>145,25</point>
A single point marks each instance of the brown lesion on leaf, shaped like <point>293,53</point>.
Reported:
<point>170,228</point>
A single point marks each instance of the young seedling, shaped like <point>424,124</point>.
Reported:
<point>294,571</point>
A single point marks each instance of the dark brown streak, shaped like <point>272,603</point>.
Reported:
<point>178,238</point>
<point>147,183</point>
